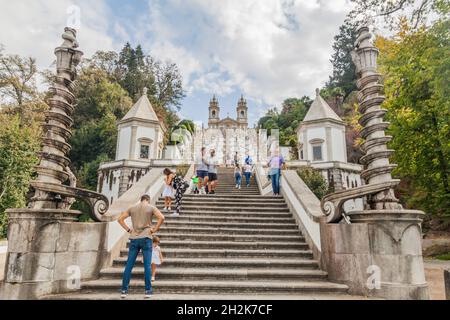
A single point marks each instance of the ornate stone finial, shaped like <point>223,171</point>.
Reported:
<point>70,38</point>
<point>144,93</point>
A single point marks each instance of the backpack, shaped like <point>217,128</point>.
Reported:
<point>180,184</point>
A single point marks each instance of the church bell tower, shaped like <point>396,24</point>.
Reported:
<point>242,110</point>
<point>214,111</point>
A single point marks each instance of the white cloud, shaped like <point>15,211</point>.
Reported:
<point>34,28</point>
<point>268,50</point>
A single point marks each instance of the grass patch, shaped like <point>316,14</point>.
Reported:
<point>445,256</point>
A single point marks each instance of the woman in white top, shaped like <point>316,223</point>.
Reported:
<point>168,189</point>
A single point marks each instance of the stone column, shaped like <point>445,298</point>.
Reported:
<point>379,253</point>
<point>46,244</point>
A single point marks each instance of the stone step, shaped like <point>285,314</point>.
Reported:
<point>227,262</point>
<point>219,274</point>
<point>232,186</point>
<point>233,244</point>
<point>229,231</point>
<point>177,286</point>
<point>230,204</point>
<point>212,196</point>
<point>114,295</point>
<point>224,214</point>
<point>230,208</point>
<point>241,201</point>
<point>201,204</point>
<point>227,199</point>
<point>227,237</point>
<point>222,253</point>
<point>200,220</point>
<point>237,191</point>
<point>248,193</point>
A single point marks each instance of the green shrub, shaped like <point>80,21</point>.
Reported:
<point>314,180</point>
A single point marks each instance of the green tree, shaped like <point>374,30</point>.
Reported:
<point>314,180</point>
<point>18,88</point>
<point>100,104</point>
<point>343,79</point>
<point>416,65</point>
<point>18,147</point>
<point>292,112</point>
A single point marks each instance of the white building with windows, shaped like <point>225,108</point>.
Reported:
<point>322,145</point>
<point>321,134</point>
<point>140,140</point>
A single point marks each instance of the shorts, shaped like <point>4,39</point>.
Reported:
<point>212,176</point>
<point>202,173</point>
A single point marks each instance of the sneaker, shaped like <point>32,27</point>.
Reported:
<point>153,278</point>
<point>169,209</point>
<point>165,209</point>
<point>123,294</point>
<point>148,294</point>
<point>175,214</point>
<point>212,192</point>
<point>237,186</point>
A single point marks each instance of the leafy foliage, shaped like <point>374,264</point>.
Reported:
<point>108,85</point>
<point>314,180</point>
<point>417,11</point>
<point>343,79</point>
<point>134,71</point>
<point>18,147</point>
<point>417,68</point>
<point>292,113</point>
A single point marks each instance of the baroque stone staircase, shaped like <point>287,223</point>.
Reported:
<point>233,244</point>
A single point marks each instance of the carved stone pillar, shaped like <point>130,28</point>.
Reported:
<point>45,241</point>
<point>379,251</point>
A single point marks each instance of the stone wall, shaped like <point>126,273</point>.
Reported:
<point>375,259</point>
<point>49,256</point>
<point>3,249</point>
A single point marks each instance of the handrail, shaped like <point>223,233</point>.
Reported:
<point>264,187</point>
<point>309,200</point>
<point>305,206</point>
<point>332,204</point>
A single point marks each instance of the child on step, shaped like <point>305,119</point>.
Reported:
<point>157,258</point>
<point>194,182</point>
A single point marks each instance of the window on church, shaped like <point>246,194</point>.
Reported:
<point>317,153</point>
<point>213,114</point>
<point>242,114</point>
<point>145,151</point>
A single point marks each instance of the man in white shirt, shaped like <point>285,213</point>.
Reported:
<point>201,168</point>
<point>212,172</point>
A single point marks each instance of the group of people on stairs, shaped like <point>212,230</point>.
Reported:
<point>142,234</point>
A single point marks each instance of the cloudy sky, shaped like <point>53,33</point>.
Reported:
<point>267,50</point>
